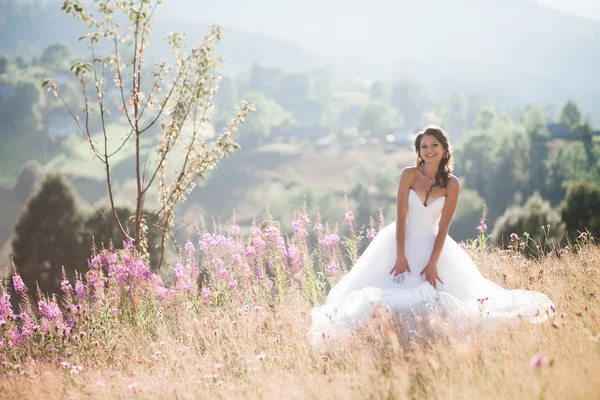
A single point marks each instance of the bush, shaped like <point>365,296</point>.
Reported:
<point>540,225</point>
<point>580,207</point>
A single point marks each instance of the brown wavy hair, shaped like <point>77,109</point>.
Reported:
<point>446,167</point>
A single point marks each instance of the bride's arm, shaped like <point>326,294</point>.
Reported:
<point>406,178</point>
<point>445,219</point>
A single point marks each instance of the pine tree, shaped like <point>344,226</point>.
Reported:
<point>48,237</point>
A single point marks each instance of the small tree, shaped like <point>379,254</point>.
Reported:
<point>48,236</point>
<point>580,208</point>
<point>177,97</point>
<point>536,221</point>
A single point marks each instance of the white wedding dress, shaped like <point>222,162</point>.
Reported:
<point>466,297</point>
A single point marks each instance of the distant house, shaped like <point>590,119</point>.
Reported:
<point>559,131</point>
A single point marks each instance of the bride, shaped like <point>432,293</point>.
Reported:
<point>413,267</point>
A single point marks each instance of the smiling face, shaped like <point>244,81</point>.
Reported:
<point>430,149</point>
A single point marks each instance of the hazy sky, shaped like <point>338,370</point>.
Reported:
<point>584,8</point>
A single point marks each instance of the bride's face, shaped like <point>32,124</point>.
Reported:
<point>431,150</point>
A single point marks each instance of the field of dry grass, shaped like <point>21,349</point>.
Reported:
<point>258,350</point>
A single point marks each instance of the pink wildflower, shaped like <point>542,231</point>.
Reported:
<point>330,240</point>
<point>79,290</point>
<point>250,251</point>
<point>318,227</point>
<point>18,284</point>
<point>189,247</point>
<point>295,256</point>
<point>332,268</point>
<point>206,293</point>
<point>371,234</point>
<point>349,217</point>
<point>65,286</point>
<point>538,360</point>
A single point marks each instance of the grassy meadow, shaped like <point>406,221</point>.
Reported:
<point>127,333</point>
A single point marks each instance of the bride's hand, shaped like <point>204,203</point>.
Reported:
<point>431,274</point>
<point>400,266</point>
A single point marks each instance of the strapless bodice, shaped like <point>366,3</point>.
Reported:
<point>423,219</point>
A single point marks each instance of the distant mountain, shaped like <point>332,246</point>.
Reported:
<point>516,51</point>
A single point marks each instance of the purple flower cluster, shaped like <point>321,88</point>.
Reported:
<point>18,284</point>
<point>349,217</point>
<point>299,225</point>
<point>330,240</point>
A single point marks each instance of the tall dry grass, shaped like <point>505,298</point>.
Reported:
<point>258,349</point>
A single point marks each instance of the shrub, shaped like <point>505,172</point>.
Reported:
<point>540,225</point>
<point>580,209</point>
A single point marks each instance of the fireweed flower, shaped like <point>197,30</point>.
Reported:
<point>304,217</point>
<point>257,239</point>
<point>280,242</point>
<point>223,272</point>
<point>18,284</point>
<point>295,256</point>
<point>482,227</point>
<point>538,360</point>
<point>318,227</point>
<point>514,236</point>
<point>96,262</point>
<point>65,286</point>
<point>236,259</point>
<point>234,230</point>
<point>232,284</point>
<point>259,275</point>
<point>247,270</point>
<point>95,281</point>
<point>128,245</point>
<point>218,263</point>
<point>270,286</point>
<point>206,293</point>
<point>330,240</point>
<point>5,308</point>
<point>182,278</point>
<point>49,310</point>
<point>189,247</point>
<point>299,228</point>
<point>250,251</point>
<point>332,268</point>
<point>349,217</point>
<point>28,326</point>
<point>217,240</point>
<point>79,291</point>
<point>371,234</point>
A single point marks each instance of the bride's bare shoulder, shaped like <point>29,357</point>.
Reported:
<point>453,181</point>
<point>409,171</point>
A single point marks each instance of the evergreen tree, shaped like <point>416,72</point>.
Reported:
<point>570,115</point>
<point>48,237</point>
